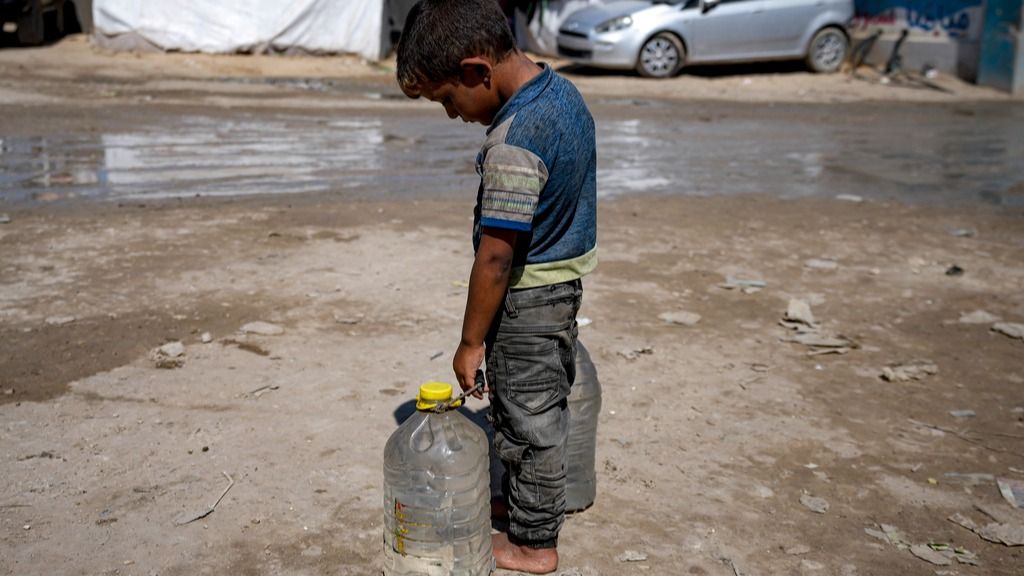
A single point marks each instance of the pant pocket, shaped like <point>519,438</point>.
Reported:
<point>533,375</point>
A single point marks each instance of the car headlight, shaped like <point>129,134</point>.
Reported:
<point>614,25</point>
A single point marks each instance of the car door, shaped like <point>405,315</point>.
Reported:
<point>727,30</point>
<point>786,23</point>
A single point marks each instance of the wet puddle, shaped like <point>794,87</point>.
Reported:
<point>933,154</point>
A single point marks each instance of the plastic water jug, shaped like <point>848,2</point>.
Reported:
<point>584,409</point>
<point>437,510</point>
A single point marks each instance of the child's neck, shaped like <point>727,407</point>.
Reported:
<point>512,73</point>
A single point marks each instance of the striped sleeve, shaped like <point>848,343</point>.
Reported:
<point>512,180</point>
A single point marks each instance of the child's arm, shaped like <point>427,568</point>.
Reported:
<point>487,285</point>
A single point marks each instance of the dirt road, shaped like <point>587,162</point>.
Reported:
<point>715,441</point>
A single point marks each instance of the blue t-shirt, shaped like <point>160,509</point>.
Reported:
<point>538,175</point>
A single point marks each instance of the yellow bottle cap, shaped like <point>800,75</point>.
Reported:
<point>433,393</point>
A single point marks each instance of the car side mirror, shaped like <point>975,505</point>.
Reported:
<point>707,5</point>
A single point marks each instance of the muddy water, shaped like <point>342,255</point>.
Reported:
<point>913,153</point>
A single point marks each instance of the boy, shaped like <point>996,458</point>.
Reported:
<point>535,236</point>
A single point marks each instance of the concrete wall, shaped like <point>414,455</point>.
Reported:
<point>944,34</point>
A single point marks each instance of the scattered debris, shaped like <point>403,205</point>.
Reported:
<point>44,454</point>
<point>974,479</point>
<point>962,413</point>
<point>799,311</point>
<point>818,264</point>
<point>681,317</point>
<point>954,270</point>
<point>635,353</point>
<point>631,556</point>
<point>348,320</point>
<point>1012,490</point>
<point>59,320</point>
<point>437,355</point>
<point>262,329</point>
<point>246,346</point>
<point>583,321</point>
<point>978,317</point>
<point>169,356</point>
<point>927,554</point>
<point>745,285</point>
<point>818,340</point>
<point>811,566</point>
<point>964,232</point>
<point>798,550</point>
<point>907,371</point>
<point>260,392</point>
<point>891,535</point>
<point>850,198</point>
<point>1009,534</point>
<point>1010,329</point>
<point>814,504</point>
<point>206,338</point>
<point>207,512</point>
<point>460,283</point>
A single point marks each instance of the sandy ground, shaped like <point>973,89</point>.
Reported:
<point>710,435</point>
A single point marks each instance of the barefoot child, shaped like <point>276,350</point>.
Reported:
<point>535,237</point>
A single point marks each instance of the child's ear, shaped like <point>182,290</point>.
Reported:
<point>476,71</point>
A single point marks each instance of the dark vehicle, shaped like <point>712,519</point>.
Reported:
<point>31,19</point>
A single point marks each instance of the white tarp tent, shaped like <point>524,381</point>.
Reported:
<point>538,32</point>
<point>223,26</point>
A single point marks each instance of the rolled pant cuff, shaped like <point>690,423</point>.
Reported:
<point>535,544</point>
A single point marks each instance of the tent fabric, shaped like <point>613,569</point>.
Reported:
<point>224,26</point>
<point>538,32</point>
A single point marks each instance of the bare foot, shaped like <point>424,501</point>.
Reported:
<point>499,508</point>
<point>523,558</point>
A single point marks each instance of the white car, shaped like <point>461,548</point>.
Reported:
<point>658,37</point>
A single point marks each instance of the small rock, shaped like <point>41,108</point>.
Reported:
<point>59,320</point>
<point>682,317</point>
<point>262,329</point>
<point>811,566</point>
<point>313,551</point>
<point>5,219</point>
<point>26,527</point>
<point>631,556</point>
<point>914,370</point>
<point>849,198</point>
<point>798,550</point>
<point>799,311</point>
<point>206,338</point>
<point>172,349</point>
<point>954,270</point>
<point>964,232</point>
<point>978,317</point>
<point>348,320</point>
<point>814,504</point>
<point>169,356</point>
<point>925,553</point>
<point>818,264</point>
<point>744,284</point>
<point>1009,329</point>
<point>764,492</point>
<point>962,413</point>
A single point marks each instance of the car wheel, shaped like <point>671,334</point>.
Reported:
<point>827,50</point>
<point>31,26</point>
<point>661,56</point>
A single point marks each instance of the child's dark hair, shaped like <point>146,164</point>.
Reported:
<point>439,34</point>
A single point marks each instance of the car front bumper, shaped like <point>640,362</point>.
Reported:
<point>616,50</point>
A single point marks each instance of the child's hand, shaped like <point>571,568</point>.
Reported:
<point>467,361</point>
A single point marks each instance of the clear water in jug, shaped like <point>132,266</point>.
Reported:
<point>584,409</point>
<point>437,512</point>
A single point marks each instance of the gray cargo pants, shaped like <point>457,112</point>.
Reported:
<point>531,365</point>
